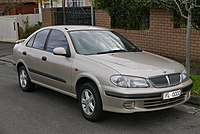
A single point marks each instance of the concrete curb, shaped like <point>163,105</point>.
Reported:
<point>194,100</point>
<point>7,59</point>
<point>7,41</point>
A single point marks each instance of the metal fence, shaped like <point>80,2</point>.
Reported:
<point>73,16</point>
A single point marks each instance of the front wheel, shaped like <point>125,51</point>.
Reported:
<point>90,102</point>
<point>24,80</point>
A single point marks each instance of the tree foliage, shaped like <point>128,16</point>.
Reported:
<point>28,29</point>
<point>170,4</point>
<point>8,5</point>
<point>125,13</point>
<point>126,10</point>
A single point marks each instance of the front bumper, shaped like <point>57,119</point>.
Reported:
<point>149,99</point>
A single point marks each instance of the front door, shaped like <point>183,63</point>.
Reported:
<point>56,69</point>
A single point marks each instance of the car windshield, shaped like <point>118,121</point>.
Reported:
<point>100,42</point>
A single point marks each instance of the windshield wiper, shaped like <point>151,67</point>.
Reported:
<point>135,50</point>
<point>112,51</point>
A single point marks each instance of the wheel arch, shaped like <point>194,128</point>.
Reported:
<point>83,78</point>
<point>22,63</point>
<point>97,112</point>
<point>19,65</point>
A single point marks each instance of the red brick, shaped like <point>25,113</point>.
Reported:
<point>162,38</point>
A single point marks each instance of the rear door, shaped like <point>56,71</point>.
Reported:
<point>33,52</point>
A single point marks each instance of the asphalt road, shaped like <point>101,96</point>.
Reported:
<point>47,112</point>
<point>5,49</point>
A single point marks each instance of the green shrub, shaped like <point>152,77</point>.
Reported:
<point>196,84</point>
<point>29,29</point>
<point>126,14</point>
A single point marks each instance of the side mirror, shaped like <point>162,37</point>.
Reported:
<point>61,51</point>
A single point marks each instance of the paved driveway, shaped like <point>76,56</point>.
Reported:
<point>5,48</point>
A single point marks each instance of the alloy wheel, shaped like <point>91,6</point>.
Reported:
<point>23,78</point>
<point>88,102</point>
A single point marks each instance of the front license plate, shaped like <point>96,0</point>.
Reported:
<point>170,95</point>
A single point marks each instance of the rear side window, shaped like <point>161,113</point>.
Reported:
<point>40,39</point>
<point>30,42</point>
<point>56,39</point>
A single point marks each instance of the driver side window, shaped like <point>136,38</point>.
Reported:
<point>56,39</point>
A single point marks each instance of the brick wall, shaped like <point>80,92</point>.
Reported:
<point>47,17</point>
<point>26,8</point>
<point>162,38</point>
<point>102,18</point>
<point>87,2</point>
<point>2,6</point>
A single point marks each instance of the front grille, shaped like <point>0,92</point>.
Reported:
<point>165,80</point>
<point>159,102</point>
<point>156,103</point>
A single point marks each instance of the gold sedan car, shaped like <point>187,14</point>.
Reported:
<point>100,68</point>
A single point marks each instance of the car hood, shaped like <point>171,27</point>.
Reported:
<point>143,64</point>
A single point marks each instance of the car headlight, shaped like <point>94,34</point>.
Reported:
<point>184,76</point>
<point>129,81</point>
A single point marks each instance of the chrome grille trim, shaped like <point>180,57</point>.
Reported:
<point>167,77</point>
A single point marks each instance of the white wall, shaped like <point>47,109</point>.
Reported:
<point>9,28</point>
<point>33,19</point>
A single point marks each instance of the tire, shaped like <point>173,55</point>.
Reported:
<point>24,80</point>
<point>90,102</point>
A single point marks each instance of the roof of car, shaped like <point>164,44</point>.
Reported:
<point>77,27</point>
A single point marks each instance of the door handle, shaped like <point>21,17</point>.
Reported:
<point>24,53</point>
<point>44,58</point>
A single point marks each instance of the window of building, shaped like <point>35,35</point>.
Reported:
<point>75,3</point>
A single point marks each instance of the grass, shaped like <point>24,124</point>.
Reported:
<point>196,84</point>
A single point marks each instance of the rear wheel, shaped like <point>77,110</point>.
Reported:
<point>24,80</point>
<point>90,102</point>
